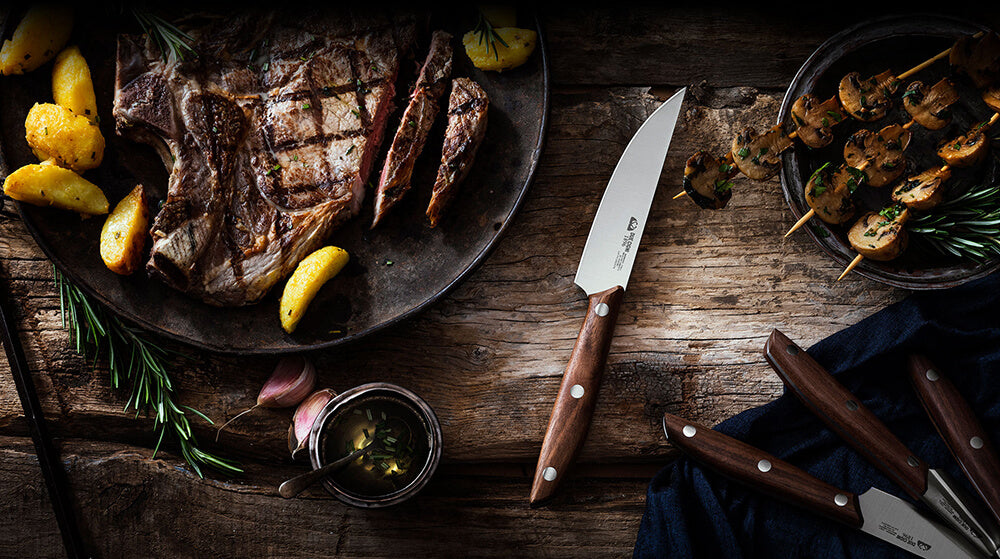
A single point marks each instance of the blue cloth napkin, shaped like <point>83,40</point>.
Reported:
<point>694,512</point>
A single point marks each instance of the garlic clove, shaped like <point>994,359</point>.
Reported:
<point>292,380</point>
<point>304,417</point>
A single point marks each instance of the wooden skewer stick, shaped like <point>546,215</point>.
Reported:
<point>857,260</point>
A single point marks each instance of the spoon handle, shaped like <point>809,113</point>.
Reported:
<point>292,487</point>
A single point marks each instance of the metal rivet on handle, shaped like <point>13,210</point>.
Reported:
<point>689,431</point>
<point>932,375</point>
<point>852,405</point>
<point>764,466</point>
<point>840,500</point>
<point>549,474</point>
<point>976,443</point>
<point>792,349</point>
<point>576,391</point>
<point>912,461</point>
<point>602,309</point>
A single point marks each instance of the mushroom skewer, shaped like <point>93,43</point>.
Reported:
<point>878,158</point>
<point>710,185</point>
<point>919,192</point>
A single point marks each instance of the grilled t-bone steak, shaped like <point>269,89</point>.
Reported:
<point>269,135</point>
<point>467,108</point>
<point>414,126</point>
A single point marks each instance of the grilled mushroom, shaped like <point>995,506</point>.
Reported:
<point>930,106</point>
<point>978,58</point>
<point>880,235</point>
<point>881,154</point>
<point>814,119</point>
<point>923,191</point>
<point>707,180</point>
<point>867,100</point>
<point>757,156</point>
<point>991,96</point>
<point>829,192</point>
<point>966,150</point>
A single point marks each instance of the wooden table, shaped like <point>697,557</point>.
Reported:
<point>707,289</point>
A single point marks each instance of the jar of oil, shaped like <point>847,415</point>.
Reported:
<point>402,437</point>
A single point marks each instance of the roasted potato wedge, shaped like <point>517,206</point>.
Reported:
<point>72,86</point>
<point>37,39</point>
<point>71,140</point>
<point>520,45</point>
<point>50,185</point>
<point>124,233</point>
<point>310,275</point>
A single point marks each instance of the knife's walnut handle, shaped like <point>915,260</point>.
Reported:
<point>845,414</point>
<point>969,443</point>
<point>577,397</point>
<point>759,470</point>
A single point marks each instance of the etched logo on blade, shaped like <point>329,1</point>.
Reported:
<point>923,546</point>
<point>628,240</point>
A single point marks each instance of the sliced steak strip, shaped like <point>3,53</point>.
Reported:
<point>414,126</point>
<point>269,136</point>
<point>467,107</point>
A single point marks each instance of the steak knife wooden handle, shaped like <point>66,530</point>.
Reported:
<point>577,396</point>
<point>969,443</point>
<point>749,465</point>
<point>845,414</point>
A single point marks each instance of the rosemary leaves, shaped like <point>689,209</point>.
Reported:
<point>136,361</point>
<point>967,226</point>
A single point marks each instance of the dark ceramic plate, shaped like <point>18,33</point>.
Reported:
<point>898,43</point>
<point>395,271</point>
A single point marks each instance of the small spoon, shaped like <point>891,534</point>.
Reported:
<point>294,486</point>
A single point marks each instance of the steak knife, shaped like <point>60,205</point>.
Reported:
<point>858,426</point>
<point>874,512</point>
<point>969,443</point>
<point>603,274</point>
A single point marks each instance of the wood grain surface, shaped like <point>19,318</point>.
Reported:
<point>706,291</point>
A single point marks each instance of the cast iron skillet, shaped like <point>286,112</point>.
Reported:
<point>898,43</point>
<point>395,271</point>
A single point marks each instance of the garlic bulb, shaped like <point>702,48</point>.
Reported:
<point>305,416</point>
<point>292,380</point>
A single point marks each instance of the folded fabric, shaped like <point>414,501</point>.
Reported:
<point>694,512</point>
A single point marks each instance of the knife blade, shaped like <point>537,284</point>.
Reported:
<point>603,274</point>
<point>965,436</point>
<point>874,512</point>
<point>858,426</point>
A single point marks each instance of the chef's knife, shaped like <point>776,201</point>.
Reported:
<point>603,274</point>
<point>874,512</point>
<point>858,426</point>
<point>969,443</point>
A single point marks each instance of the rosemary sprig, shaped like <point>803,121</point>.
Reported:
<point>967,226</point>
<point>486,33</point>
<point>172,42</point>
<point>134,359</point>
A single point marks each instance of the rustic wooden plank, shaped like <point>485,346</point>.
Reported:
<point>706,291</point>
<point>131,505</point>
<point>723,45</point>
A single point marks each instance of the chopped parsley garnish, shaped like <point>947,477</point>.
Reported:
<point>743,153</point>
<point>834,115</point>
<point>306,105</point>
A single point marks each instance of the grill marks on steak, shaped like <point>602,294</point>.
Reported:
<point>418,118</point>
<point>269,137</point>
<point>467,108</point>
